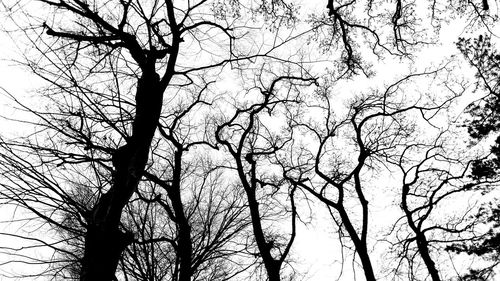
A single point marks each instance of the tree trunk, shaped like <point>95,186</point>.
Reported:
<point>359,245</point>
<point>272,265</point>
<point>103,249</point>
<point>184,243</point>
<point>422,243</point>
<point>104,240</point>
<point>366,263</point>
<point>423,249</point>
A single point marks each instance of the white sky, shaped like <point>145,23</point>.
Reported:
<point>317,245</point>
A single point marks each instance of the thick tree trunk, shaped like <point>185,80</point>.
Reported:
<point>103,249</point>
<point>104,240</point>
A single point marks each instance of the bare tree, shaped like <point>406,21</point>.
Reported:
<point>119,137</point>
<point>123,166</point>
<point>252,145</point>
<point>350,149</point>
<point>434,174</point>
<point>398,28</point>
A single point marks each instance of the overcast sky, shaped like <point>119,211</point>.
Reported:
<point>317,245</point>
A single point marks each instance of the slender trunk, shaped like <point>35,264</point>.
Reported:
<point>359,245</point>
<point>422,243</point>
<point>184,251</point>
<point>272,265</point>
<point>423,249</point>
<point>366,262</point>
<point>184,243</point>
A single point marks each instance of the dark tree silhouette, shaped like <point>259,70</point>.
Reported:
<point>253,148</point>
<point>485,112</point>
<point>372,132</point>
<point>182,140</point>
<point>129,84</point>
<point>434,174</point>
<point>484,123</point>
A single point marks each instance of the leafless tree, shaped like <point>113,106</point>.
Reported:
<point>349,150</point>
<point>434,174</point>
<point>122,165</point>
<point>254,147</point>
<point>118,144</point>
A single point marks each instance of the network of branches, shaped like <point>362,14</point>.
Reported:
<point>213,139</point>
